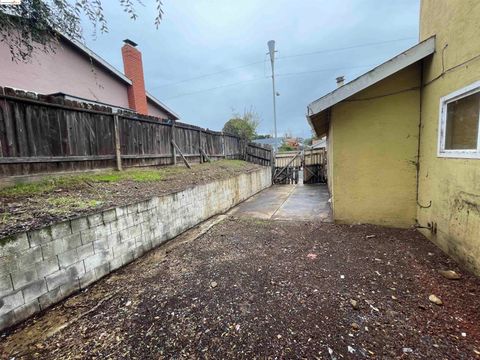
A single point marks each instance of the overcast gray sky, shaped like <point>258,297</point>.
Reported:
<point>201,37</point>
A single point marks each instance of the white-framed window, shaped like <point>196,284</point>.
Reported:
<point>459,135</point>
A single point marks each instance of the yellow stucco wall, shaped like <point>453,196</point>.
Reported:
<point>374,150</point>
<point>330,163</point>
<point>452,185</point>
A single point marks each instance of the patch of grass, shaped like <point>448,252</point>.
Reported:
<point>144,175</point>
<point>108,177</point>
<point>63,205</point>
<point>70,202</point>
<point>27,189</point>
<point>236,164</point>
<point>51,183</point>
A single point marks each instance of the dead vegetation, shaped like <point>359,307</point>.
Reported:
<point>31,205</point>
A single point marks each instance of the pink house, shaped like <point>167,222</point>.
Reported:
<point>77,73</point>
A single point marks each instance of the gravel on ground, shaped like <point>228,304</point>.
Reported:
<point>269,289</point>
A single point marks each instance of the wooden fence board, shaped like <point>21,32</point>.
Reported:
<point>41,136</point>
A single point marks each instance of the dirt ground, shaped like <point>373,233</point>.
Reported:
<point>53,199</point>
<point>268,289</point>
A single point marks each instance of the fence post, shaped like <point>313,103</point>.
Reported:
<point>272,162</point>
<point>174,151</point>
<point>118,153</point>
<point>223,146</point>
<point>200,145</point>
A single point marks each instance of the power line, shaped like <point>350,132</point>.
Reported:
<point>208,75</point>
<point>323,70</point>
<point>216,87</point>
<point>345,48</point>
<point>266,77</point>
<point>281,57</point>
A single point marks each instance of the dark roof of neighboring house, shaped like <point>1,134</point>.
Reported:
<point>117,73</point>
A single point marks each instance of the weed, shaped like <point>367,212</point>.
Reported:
<point>69,202</point>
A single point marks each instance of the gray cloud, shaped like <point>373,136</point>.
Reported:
<point>200,37</point>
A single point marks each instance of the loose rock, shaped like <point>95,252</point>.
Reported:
<point>213,284</point>
<point>449,274</point>
<point>435,299</point>
<point>354,304</point>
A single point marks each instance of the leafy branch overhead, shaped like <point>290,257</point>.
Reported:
<point>37,24</point>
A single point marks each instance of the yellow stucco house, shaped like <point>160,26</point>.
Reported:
<point>404,138</point>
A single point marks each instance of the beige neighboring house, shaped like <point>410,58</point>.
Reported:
<point>75,72</point>
<point>404,138</point>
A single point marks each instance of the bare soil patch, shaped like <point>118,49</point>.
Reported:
<point>29,206</point>
<point>269,289</point>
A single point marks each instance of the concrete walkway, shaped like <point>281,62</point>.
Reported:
<point>288,202</point>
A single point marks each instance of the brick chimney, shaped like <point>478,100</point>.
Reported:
<point>133,68</point>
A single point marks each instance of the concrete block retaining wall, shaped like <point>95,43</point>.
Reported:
<point>39,268</point>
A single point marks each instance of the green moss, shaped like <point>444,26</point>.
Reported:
<point>7,239</point>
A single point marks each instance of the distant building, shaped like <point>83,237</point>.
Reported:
<point>404,138</point>
<point>319,143</point>
<point>269,141</point>
<point>76,72</point>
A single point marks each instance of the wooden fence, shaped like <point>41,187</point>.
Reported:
<point>289,164</point>
<point>44,134</point>
<point>259,154</point>
<point>315,166</point>
<point>284,158</point>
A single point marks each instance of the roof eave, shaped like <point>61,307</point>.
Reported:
<point>163,106</point>
<point>399,62</point>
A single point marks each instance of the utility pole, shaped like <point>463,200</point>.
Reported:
<point>271,50</point>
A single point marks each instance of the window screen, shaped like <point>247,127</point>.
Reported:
<point>461,130</point>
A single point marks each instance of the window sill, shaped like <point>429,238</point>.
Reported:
<point>454,154</point>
